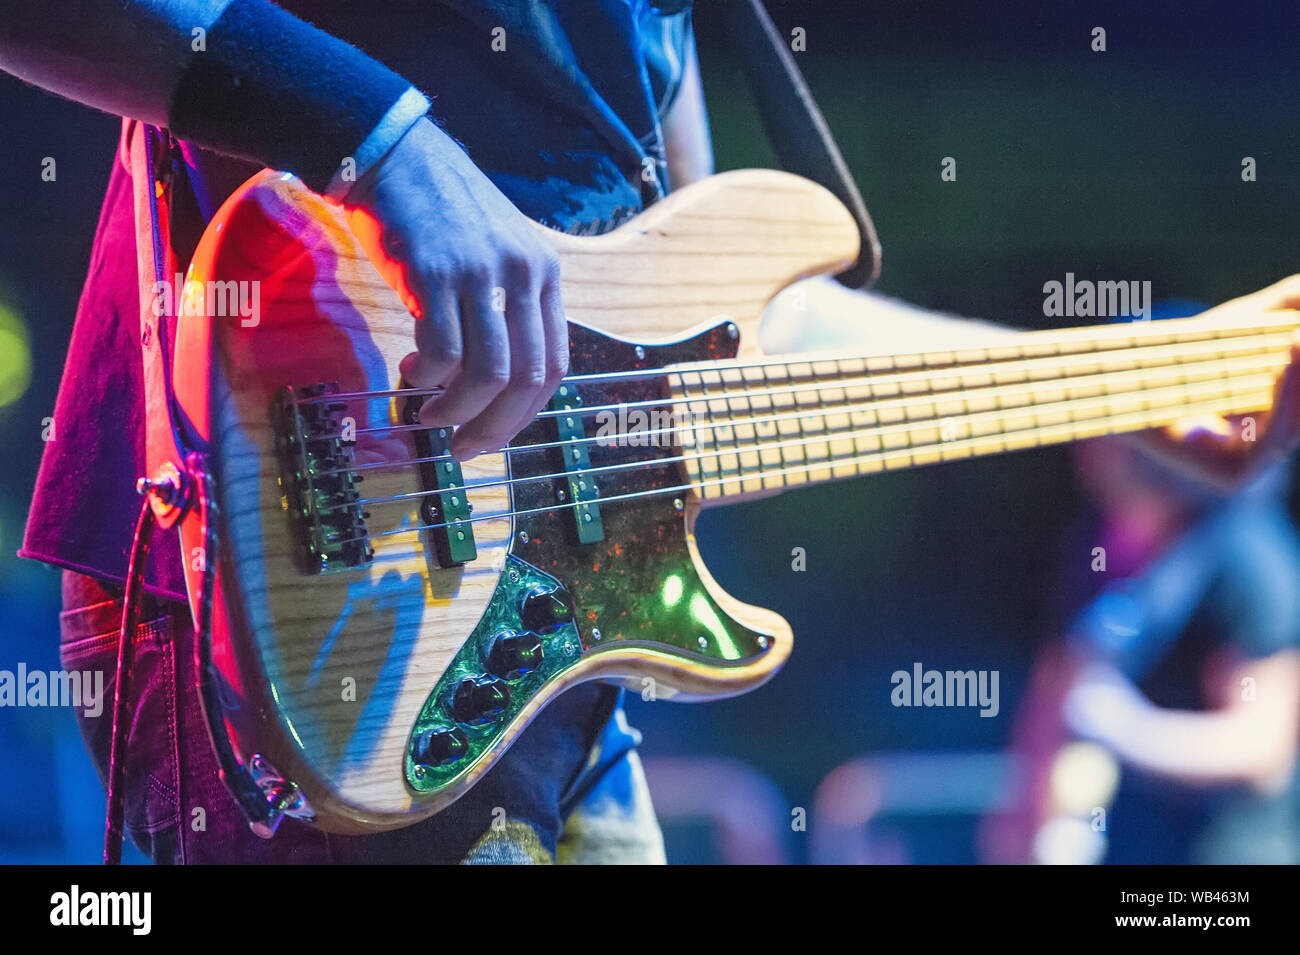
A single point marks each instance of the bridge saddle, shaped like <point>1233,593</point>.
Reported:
<point>318,481</point>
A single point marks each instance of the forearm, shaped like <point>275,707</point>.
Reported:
<point>1251,741</point>
<point>257,83</point>
<point>1203,748</point>
<point>686,128</point>
<point>124,58</point>
<point>820,314</point>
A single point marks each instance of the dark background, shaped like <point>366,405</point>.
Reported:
<point>1118,165</point>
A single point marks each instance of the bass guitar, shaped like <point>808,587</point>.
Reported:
<point>385,621</point>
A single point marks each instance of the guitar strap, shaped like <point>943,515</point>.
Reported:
<point>139,150</point>
<point>796,127</point>
<point>150,159</point>
<point>175,477</point>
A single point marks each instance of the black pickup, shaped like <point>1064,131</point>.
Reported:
<point>447,514</point>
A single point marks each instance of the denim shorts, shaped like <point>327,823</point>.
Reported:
<point>569,790</point>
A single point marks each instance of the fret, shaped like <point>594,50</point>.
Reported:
<point>1055,407</point>
<point>1025,396</point>
<point>860,418</point>
<point>802,452</point>
<point>688,425</point>
<point>1042,416</point>
<point>704,464</point>
<point>758,462</point>
<point>822,417</point>
<point>929,429</point>
<point>788,426</point>
<point>719,431</point>
<point>719,407</point>
<point>837,422</point>
<point>824,425</point>
<point>770,459</point>
<point>1046,369</point>
<point>744,435</point>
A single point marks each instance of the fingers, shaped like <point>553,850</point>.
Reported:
<point>492,428</point>
<point>484,369</point>
<point>501,352</point>
<point>1282,434</point>
<point>523,391</point>
<point>480,280</point>
<point>1283,294</point>
<point>1288,400</point>
<point>556,349</point>
<point>438,339</point>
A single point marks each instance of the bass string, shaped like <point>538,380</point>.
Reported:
<point>1140,378</point>
<point>1102,424</point>
<point>1177,353</point>
<point>1096,340</point>
<point>907,429</point>
<point>1144,376</point>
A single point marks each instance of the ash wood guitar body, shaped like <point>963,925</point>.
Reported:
<point>338,678</point>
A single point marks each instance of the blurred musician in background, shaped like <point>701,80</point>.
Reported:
<point>1163,727</point>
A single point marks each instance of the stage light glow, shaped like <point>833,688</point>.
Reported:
<point>672,590</point>
<point>15,357</point>
<point>1084,777</point>
<point>704,614</point>
<point>1210,424</point>
<point>1069,841</point>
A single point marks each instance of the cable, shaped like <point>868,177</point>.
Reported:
<point>126,641</point>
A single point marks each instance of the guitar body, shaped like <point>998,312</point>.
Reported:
<point>366,650</point>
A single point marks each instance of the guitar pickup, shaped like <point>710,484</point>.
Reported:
<point>448,510</point>
<point>577,461</point>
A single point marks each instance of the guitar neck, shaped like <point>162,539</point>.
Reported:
<point>747,427</point>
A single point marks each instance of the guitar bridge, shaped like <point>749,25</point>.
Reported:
<point>318,482</point>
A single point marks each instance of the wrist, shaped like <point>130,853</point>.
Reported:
<point>411,107</point>
<point>273,89</point>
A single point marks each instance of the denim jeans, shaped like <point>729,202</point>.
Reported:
<point>557,795</point>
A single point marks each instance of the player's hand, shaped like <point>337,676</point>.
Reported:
<point>481,281</point>
<point>1229,452</point>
